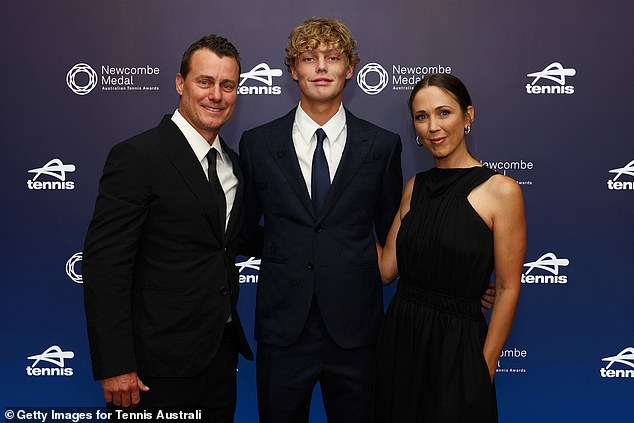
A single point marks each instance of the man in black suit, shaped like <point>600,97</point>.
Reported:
<point>319,299</point>
<point>160,280</point>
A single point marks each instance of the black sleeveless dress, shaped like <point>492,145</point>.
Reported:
<point>430,365</point>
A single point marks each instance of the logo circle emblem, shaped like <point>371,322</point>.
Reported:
<point>70,268</point>
<point>372,89</point>
<point>81,89</point>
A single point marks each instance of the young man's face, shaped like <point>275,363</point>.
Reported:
<point>321,74</point>
<point>209,92</point>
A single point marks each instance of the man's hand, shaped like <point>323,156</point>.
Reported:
<point>487,300</point>
<point>123,390</point>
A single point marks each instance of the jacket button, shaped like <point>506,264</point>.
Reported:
<point>223,291</point>
<point>310,266</point>
<point>319,229</point>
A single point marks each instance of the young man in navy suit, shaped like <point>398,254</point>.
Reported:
<point>159,271</point>
<point>327,185</point>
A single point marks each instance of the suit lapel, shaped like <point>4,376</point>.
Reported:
<point>280,143</point>
<point>354,154</point>
<point>177,149</point>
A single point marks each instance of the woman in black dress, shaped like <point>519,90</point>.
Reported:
<point>457,222</point>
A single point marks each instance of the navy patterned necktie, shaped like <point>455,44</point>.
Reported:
<point>320,178</point>
<point>216,188</point>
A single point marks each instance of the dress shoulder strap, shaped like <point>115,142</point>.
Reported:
<point>473,178</point>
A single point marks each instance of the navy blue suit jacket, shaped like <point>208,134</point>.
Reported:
<point>330,254</point>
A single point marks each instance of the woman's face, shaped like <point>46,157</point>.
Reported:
<point>440,122</point>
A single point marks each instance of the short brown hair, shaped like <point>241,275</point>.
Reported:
<point>315,31</point>
<point>218,45</point>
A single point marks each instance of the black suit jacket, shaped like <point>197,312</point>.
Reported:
<point>332,253</point>
<point>159,273</point>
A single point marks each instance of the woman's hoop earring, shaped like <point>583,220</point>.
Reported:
<point>418,141</point>
<point>467,129</point>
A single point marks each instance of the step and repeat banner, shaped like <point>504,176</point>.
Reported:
<point>553,95</point>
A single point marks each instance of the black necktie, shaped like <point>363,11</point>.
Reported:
<point>216,188</point>
<point>320,178</point>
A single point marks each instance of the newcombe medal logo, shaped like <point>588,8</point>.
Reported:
<point>378,73</point>
<point>84,72</point>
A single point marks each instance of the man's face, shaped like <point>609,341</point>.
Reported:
<point>209,92</point>
<point>321,74</point>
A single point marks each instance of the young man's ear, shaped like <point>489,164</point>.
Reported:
<point>294,72</point>
<point>350,71</point>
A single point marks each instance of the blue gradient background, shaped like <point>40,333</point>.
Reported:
<point>572,141</point>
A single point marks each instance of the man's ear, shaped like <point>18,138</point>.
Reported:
<point>180,81</point>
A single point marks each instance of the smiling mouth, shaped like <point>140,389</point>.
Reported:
<point>212,109</point>
<point>437,140</point>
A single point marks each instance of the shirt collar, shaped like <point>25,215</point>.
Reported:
<point>196,141</point>
<point>332,128</point>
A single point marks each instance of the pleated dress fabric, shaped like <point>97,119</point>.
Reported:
<point>430,364</point>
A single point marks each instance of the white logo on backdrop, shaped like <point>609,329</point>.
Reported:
<point>628,169</point>
<point>56,169</point>
<point>72,83</point>
<point>549,263</point>
<point>379,86</point>
<point>53,355</point>
<point>262,73</point>
<point>626,358</point>
<point>70,268</point>
<point>555,72</point>
<point>251,263</point>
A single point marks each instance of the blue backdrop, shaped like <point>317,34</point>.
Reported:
<point>552,89</point>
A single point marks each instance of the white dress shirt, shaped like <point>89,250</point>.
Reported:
<point>224,168</point>
<point>305,141</point>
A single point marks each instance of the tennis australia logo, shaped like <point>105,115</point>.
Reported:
<point>251,265</point>
<point>55,356</point>
<point>381,81</point>
<point>71,268</point>
<point>554,72</point>
<point>625,359</point>
<point>548,263</point>
<point>260,73</point>
<point>81,79</point>
<point>56,170</point>
<point>615,185</point>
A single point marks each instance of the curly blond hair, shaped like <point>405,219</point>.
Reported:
<point>315,31</point>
